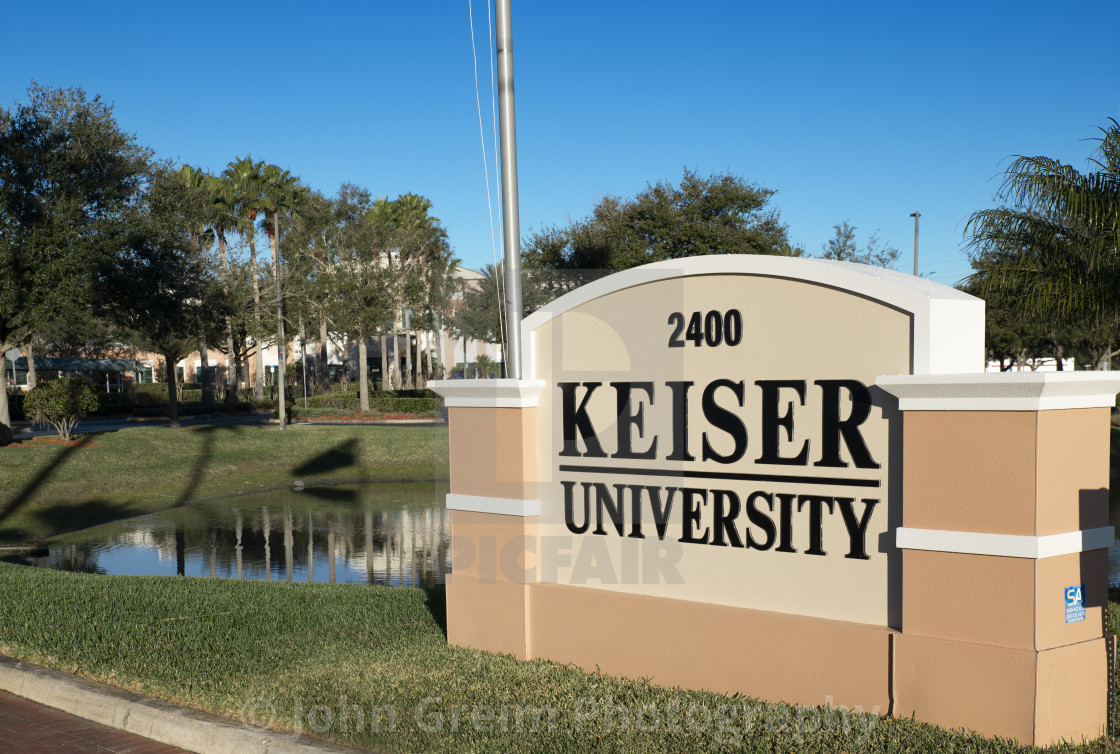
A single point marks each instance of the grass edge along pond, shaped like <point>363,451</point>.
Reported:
<point>370,667</point>
<point>49,489</point>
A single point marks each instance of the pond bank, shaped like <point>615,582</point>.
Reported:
<point>46,490</point>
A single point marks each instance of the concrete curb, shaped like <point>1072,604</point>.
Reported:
<point>151,718</point>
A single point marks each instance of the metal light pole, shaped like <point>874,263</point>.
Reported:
<point>915,215</point>
<point>510,224</point>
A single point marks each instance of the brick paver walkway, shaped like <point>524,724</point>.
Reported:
<point>30,728</point>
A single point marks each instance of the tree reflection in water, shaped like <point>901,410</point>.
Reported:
<point>395,534</point>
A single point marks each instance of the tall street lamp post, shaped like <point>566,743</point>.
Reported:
<point>915,215</point>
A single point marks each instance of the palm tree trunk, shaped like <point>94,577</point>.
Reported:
<point>204,365</point>
<point>321,365</point>
<point>258,387</point>
<point>281,355</point>
<point>5,416</point>
<point>439,346</point>
<point>431,365</point>
<point>363,377</point>
<point>392,367</point>
<point>32,375</point>
<point>33,378</point>
<point>172,392</point>
<point>384,362</point>
<point>406,380</point>
<point>231,367</point>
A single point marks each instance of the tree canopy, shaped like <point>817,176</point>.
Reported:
<point>68,173</point>
<point>720,214</point>
<point>843,248</point>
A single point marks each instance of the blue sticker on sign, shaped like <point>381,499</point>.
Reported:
<point>1075,603</point>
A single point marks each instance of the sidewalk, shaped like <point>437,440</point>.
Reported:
<point>146,720</point>
<point>29,727</point>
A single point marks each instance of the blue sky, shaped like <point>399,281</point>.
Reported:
<point>861,112</point>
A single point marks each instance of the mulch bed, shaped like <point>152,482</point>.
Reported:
<point>66,443</point>
<point>360,417</point>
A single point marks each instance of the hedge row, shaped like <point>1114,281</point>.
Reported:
<point>191,409</point>
<point>347,401</point>
<point>400,402</point>
<point>392,405</point>
<point>375,387</point>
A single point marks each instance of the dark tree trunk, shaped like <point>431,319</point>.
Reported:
<point>172,396</point>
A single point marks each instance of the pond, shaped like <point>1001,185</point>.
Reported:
<point>397,534</point>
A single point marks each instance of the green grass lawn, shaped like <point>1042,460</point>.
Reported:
<point>47,489</point>
<point>297,655</point>
<point>361,665</point>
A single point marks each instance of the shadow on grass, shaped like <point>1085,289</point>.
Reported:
<point>340,457</point>
<point>201,462</point>
<point>35,483</point>
<point>436,603</point>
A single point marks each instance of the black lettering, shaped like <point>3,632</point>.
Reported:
<point>690,515</point>
<point>680,422</point>
<point>785,541</point>
<point>723,521</point>
<point>613,507</point>
<point>636,512</point>
<point>720,417</point>
<point>761,520</point>
<point>772,422</point>
<point>816,520</point>
<point>630,416</point>
<point>834,429</point>
<point>569,512</point>
<point>661,514</point>
<point>857,528</point>
<point>576,419</point>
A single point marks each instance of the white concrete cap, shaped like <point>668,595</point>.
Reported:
<point>502,393</point>
<point>1002,391</point>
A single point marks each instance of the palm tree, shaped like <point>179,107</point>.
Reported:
<point>1054,254</point>
<point>244,177</point>
<point>203,237</point>
<point>281,193</point>
<point>224,219</point>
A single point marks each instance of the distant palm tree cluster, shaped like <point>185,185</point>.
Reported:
<point>104,247</point>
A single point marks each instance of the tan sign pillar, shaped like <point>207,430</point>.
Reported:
<point>1004,543</point>
<point>494,512</point>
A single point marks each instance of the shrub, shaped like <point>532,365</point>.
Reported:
<point>63,402</point>
<point>345,400</point>
<point>6,437</point>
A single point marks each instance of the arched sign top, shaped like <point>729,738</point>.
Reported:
<point>948,325</point>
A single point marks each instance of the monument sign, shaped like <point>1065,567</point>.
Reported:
<point>789,478</point>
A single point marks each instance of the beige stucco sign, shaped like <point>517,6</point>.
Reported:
<point>734,442</point>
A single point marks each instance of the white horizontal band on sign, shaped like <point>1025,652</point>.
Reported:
<point>1005,545</point>
<point>500,505</point>
<point>488,393</point>
<point>1002,391</point>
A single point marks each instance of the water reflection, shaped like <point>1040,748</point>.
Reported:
<point>396,534</point>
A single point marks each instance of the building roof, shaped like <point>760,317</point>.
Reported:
<point>78,365</point>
